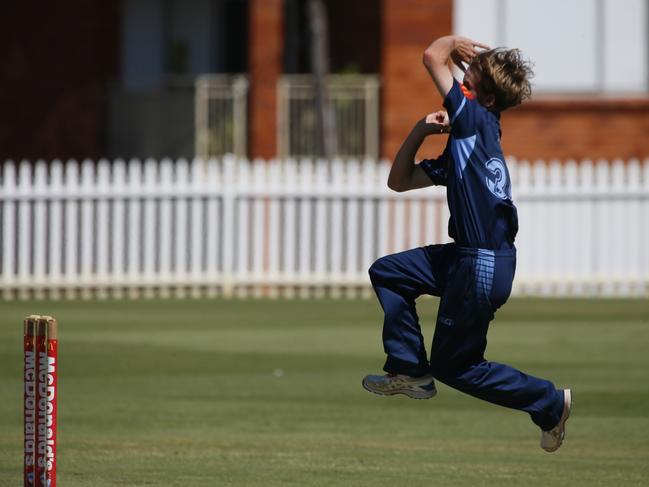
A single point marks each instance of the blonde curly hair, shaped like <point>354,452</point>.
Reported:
<point>506,75</point>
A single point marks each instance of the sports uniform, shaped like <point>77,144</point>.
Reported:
<point>472,276</point>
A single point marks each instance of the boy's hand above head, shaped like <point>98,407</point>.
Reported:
<point>455,48</point>
<point>465,50</point>
<point>457,60</point>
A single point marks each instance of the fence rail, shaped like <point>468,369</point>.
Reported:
<point>233,227</point>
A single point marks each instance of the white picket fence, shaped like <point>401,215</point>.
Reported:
<point>297,228</point>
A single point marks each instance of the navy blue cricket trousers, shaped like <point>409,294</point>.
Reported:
<point>472,285</point>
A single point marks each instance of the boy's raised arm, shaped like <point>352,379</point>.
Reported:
<point>437,55</point>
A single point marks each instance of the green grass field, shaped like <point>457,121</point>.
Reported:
<point>267,393</point>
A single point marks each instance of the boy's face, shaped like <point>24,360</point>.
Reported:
<point>472,79</point>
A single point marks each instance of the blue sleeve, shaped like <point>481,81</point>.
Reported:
<point>461,112</point>
<point>436,169</point>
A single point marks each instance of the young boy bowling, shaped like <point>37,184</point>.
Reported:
<point>472,276</point>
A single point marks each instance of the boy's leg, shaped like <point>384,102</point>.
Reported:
<point>479,283</point>
<point>398,279</point>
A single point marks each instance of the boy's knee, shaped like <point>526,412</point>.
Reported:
<point>447,367</point>
<point>377,269</point>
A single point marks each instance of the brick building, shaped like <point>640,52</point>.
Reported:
<point>115,78</point>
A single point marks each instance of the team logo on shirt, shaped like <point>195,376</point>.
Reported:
<point>498,179</point>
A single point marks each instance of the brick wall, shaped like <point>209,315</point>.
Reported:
<point>407,93</point>
<point>573,128</point>
<point>265,55</point>
<point>56,59</point>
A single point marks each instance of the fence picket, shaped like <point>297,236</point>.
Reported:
<point>103,223</point>
<point>304,231</point>
<point>321,224</point>
<point>587,235</point>
<point>228,239</point>
<point>24,247</point>
<point>259,233</point>
<point>633,225</point>
<point>644,239</point>
<point>213,224</point>
<point>118,244</point>
<point>367,216</point>
<point>567,228</point>
<point>618,223</point>
<point>274,229</point>
<point>602,235</point>
<point>243,219</point>
<point>383,222</point>
<point>430,218</point>
<point>71,227</point>
<point>338,183</point>
<point>554,254</point>
<point>399,216</point>
<point>289,236</point>
<point>40,226</point>
<point>134,232</point>
<point>521,191</point>
<point>55,237</point>
<point>166,221</point>
<point>181,233</point>
<point>87,233</point>
<point>149,224</point>
<point>541,279</point>
<point>352,220</point>
<point>197,176</point>
<point>414,223</point>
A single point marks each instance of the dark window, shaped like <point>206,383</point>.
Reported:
<point>354,36</point>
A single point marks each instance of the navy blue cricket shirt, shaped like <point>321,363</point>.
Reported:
<point>473,169</point>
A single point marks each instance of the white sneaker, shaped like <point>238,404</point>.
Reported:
<point>390,384</point>
<point>551,440</point>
